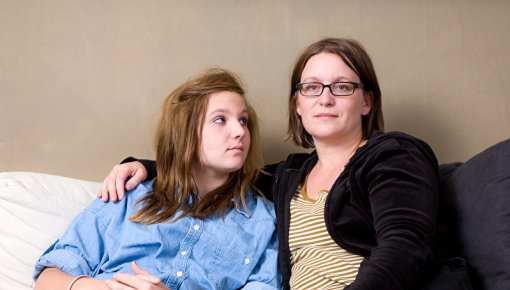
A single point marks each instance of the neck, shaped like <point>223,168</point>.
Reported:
<point>207,181</point>
<point>334,154</point>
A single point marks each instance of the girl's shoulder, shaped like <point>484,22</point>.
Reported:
<point>109,209</point>
<point>257,207</point>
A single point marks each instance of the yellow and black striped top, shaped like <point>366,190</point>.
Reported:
<point>317,261</point>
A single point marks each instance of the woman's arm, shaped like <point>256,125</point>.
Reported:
<point>402,186</point>
<point>54,279</point>
<point>131,172</point>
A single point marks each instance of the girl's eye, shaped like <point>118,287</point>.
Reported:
<point>243,121</point>
<point>219,120</point>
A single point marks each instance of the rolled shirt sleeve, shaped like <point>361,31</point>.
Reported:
<point>81,247</point>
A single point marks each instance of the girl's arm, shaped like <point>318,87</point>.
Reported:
<point>78,251</point>
<point>54,279</point>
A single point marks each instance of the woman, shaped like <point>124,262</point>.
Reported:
<point>198,225</point>
<point>359,211</point>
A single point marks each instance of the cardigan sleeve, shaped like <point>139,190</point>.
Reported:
<point>150,166</point>
<point>401,185</point>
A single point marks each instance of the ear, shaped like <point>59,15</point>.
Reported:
<point>298,108</point>
<point>367,103</point>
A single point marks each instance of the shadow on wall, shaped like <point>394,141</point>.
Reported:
<point>276,149</point>
<point>429,124</point>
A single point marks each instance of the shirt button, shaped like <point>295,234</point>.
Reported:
<point>184,253</point>
<point>179,273</point>
<point>247,261</point>
<point>196,227</point>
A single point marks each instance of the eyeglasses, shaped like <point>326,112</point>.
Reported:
<point>315,89</point>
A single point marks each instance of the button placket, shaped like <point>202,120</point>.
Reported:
<point>184,252</point>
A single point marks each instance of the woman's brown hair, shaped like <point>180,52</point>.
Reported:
<point>177,144</point>
<point>355,56</point>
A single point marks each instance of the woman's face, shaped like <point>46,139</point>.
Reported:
<point>327,117</point>
<point>225,138</point>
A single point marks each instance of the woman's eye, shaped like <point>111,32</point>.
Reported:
<point>219,120</point>
<point>313,87</point>
<point>343,87</point>
<point>243,121</point>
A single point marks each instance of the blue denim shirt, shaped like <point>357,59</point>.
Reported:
<point>238,251</point>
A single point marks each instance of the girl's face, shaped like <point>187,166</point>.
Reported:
<point>225,138</point>
<point>327,117</point>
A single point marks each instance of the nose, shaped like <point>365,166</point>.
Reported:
<point>238,130</point>
<point>326,98</point>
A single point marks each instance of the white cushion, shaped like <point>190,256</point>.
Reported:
<point>35,209</point>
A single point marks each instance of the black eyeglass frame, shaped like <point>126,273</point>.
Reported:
<point>355,86</point>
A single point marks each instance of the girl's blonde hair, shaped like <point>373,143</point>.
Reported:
<point>177,145</point>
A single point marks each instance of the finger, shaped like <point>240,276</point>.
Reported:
<point>132,281</point>
<point>139,174</point>
<point>119,184</point>
<point>112,192</point>
<point>115,285</point>
<point>100,192</point>
<point>137,269</point>
<point>103,194</point>
<point>111,183</point>
<point>134,181</point>
<point>144,274</point>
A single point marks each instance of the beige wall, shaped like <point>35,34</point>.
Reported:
<point>81,81</point>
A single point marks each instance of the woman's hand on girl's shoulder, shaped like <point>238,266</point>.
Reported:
<point>115,185</point>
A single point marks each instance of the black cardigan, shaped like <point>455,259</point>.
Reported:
<point>383,207</point>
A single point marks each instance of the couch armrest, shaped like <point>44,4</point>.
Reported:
<point>34,210</point>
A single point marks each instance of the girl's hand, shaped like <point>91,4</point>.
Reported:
<point>141,280</point>
<point>114,184</point>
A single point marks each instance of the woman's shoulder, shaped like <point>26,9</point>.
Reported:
<point>395,143</point>
<point>397,139</point>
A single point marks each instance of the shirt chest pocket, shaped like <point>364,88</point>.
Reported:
<point>229,268</point>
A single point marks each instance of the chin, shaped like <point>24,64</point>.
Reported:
<point>233,168</point>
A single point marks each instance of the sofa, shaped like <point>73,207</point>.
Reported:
<point>473,220</point>
<point>35,209</point>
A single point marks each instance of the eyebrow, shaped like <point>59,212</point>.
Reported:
<point>316,80</point>
<point>225,111</point>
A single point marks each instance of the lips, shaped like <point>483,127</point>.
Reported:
<point>236,148</point>
<point>326,115</point>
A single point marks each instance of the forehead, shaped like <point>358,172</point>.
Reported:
<point>327,67</point>
<point>225,101</point>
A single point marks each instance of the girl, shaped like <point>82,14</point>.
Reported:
<point>199,225</point>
